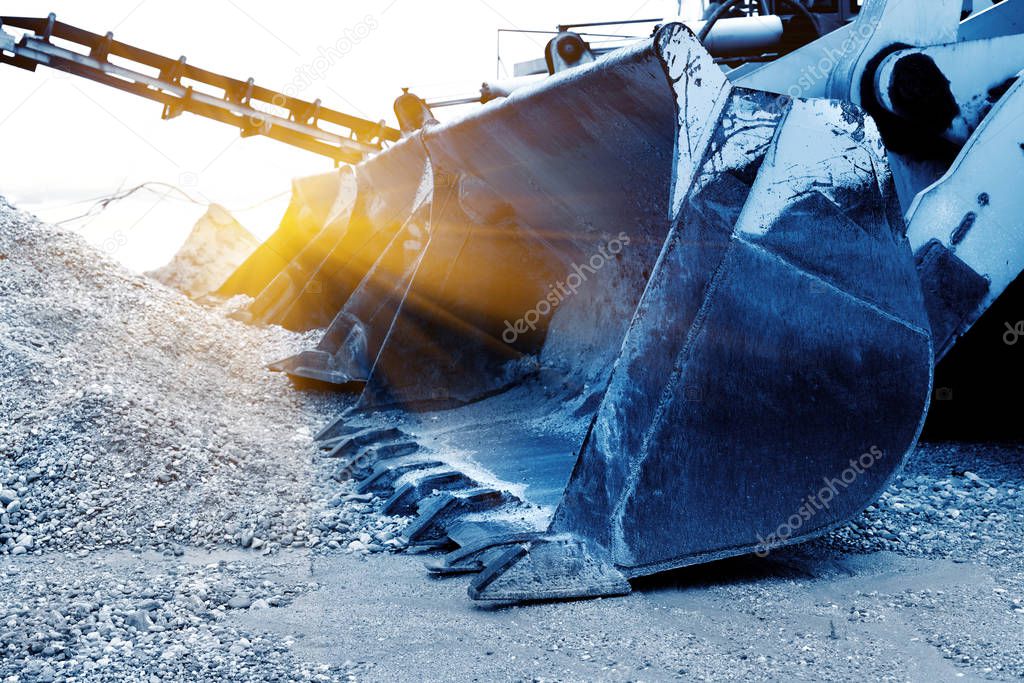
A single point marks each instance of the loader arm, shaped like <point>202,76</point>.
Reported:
<point>181,87</point>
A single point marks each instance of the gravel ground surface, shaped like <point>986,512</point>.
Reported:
<point>165,517</point>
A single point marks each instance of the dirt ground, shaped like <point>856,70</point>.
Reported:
<point>823,610</point>
<point>878,617</point>
<point>800,614</point>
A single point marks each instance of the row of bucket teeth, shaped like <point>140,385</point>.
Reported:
<point>388,463</point>
<point>418,486</point>
<point>347,444</point>
<point>479,543</point>
<point>441,510</point>
<point>358,452</point>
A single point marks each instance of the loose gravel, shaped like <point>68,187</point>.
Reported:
<point>132,419</point>
<point>963,502</point>
<point>153,474</point>
<point>147,619</point>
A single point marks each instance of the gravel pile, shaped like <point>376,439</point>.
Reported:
<point>957,501</point>
<point>132,417</point>
<point>217,245</point>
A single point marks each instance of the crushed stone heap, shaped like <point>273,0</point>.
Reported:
<point>130,416</point>
<point>217,245</point>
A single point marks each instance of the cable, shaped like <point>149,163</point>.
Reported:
<point>100,204</point>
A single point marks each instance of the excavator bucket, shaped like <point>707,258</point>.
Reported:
<point>307,213</point>
<point>734,423</point>
<point>522,256</point>
<point>642,319</point>
<point>342,221</point>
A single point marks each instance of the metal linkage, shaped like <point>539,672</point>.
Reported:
<point>181,87</point>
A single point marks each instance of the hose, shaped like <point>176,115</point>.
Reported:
<point>729,4</point>
<point>713,19</point>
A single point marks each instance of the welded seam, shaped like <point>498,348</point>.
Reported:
<point>828,284</point>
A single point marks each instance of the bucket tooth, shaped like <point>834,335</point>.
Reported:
<point>454,562</point>
<point>441,510</point>
<point>479,542</point>
<point>316,365</point>
<point>338,427</point>
<point>390,451</point>
<point>385,475</point>
<point>549,568</point>
<point>480,531</point>
<point>362,464</point>
<point>347,445</point>
<point>416,487</point>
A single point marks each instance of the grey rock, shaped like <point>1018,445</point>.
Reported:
<point>139,620</point>
<point>239,602</point>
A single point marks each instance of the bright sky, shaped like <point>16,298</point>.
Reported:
<point>66,139</point>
